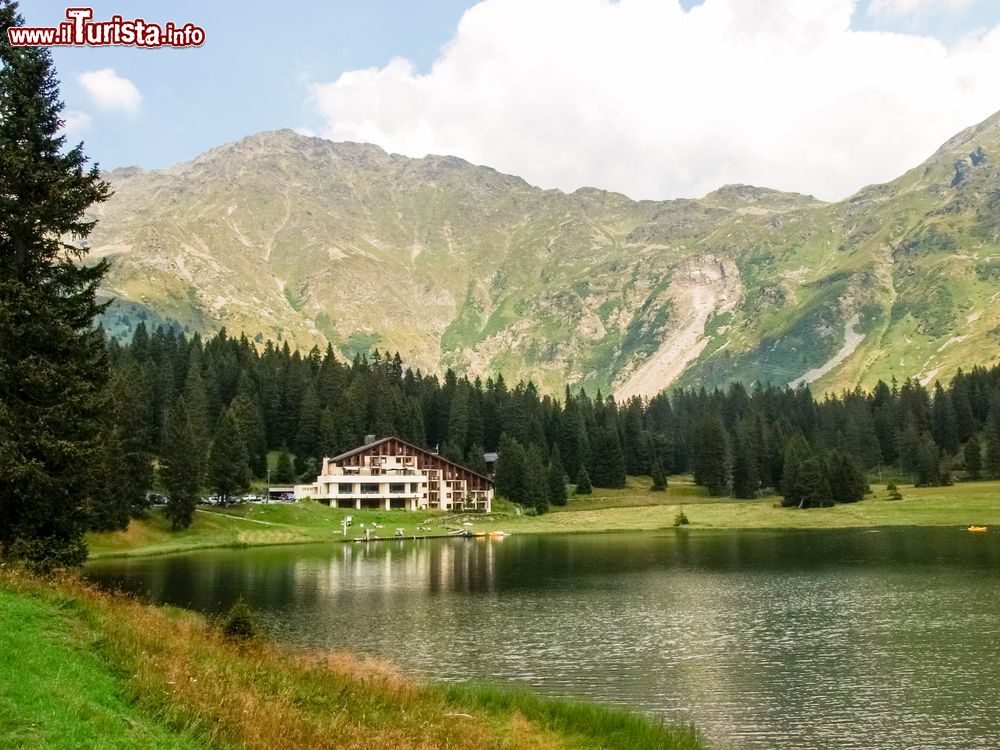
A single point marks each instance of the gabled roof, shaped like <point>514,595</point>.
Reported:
<point>381,441</point>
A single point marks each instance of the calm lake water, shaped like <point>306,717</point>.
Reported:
<point>840,639</point>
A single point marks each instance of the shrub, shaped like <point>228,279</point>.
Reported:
<point>239,623</point>
<point>47,554</point>
<point>681,519</point>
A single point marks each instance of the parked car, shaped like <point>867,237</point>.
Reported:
<point>156,498</point>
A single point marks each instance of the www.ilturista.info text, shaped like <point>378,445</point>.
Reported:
<point>80,30</point>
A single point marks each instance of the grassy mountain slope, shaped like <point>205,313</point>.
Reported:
<point>901,273</point>
<point>457,265</point>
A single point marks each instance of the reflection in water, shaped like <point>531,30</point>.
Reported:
<point>845,639</point>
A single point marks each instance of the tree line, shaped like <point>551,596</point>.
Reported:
<point>211,410</point>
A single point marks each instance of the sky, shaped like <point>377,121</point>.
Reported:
<point>656,99</point>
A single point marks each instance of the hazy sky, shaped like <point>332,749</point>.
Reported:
<point>653,98</point>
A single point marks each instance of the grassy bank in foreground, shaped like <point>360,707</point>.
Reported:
<point>634,508</point>
<point>82,668</point>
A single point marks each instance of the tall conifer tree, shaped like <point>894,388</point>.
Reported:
<point>557,478</point>
<point>746,475</point>
<point>536,484</point>
<point>180,467</point>
<point>52,360</point>
<point>510,471</point>
<point>284,470</point>
<point>659,477</point>
<point>228,471</point>
<point>993,446</point>
<point>711,459</point>
<point>973,454</point>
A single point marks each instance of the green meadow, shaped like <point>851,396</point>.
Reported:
<point>634,508</point>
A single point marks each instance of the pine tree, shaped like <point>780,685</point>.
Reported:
<point>710,463</point>
<point>535,482</point>
<point>250,416</point>
<point>813,485</point>
<point>557,478</point>
<point>746,476</point>
<point>453,451</point>
<point>909,448</point>
<point>458,426</point>
<point>109,507</point>
<point>635,447</point>
<point>284,471</point>
<point>847,478</point>
<point>196,404</point>
<point>52,360</point>
<point>927,466</point>
<point>945,421</point>
<point>882,419</point>
<point>179,467</point>
<point>583,485</point>
<point>228,471</point>
<point>307,437</point>
<point>892,492</point>
<point>797,452</point>
<point>474,459</point>
<point>128,475</point>
<point>608,457</point>
<point>510,470</point>
<point>993,447</point>
<point>569,434</point>
<point>659,476</point>
<point>973,453</point>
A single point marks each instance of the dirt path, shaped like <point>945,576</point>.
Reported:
<point>238,518</point>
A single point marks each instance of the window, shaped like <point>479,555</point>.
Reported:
<point>397,489</point>
<point>345,489</point>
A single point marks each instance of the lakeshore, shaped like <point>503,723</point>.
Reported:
<point>760,639</point>
<point>85,668</point>
<point>632,509</point>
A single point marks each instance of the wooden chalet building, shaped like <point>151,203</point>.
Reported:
<point>391,473</point>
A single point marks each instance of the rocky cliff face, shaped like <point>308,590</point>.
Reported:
<point>452,264</point>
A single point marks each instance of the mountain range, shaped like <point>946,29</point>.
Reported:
<point>308,241</point>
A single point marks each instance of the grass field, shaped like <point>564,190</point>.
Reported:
<point>83,668</point>
<point>56,691</point>
<point>634,508</point>
<point>256,524</point>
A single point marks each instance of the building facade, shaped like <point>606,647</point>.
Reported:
<point>393,474</point>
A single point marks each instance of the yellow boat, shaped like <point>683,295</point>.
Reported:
<point>977,528</point>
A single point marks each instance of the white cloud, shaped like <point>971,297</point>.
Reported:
<point>908,7</point>
<point>642,97</point>
<point>110,91</point>
<point>75,122</point>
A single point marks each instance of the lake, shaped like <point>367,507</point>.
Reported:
<point>795,639</point>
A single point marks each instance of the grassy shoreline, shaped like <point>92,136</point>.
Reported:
<point>631,510</point>
<point>85,668</point>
